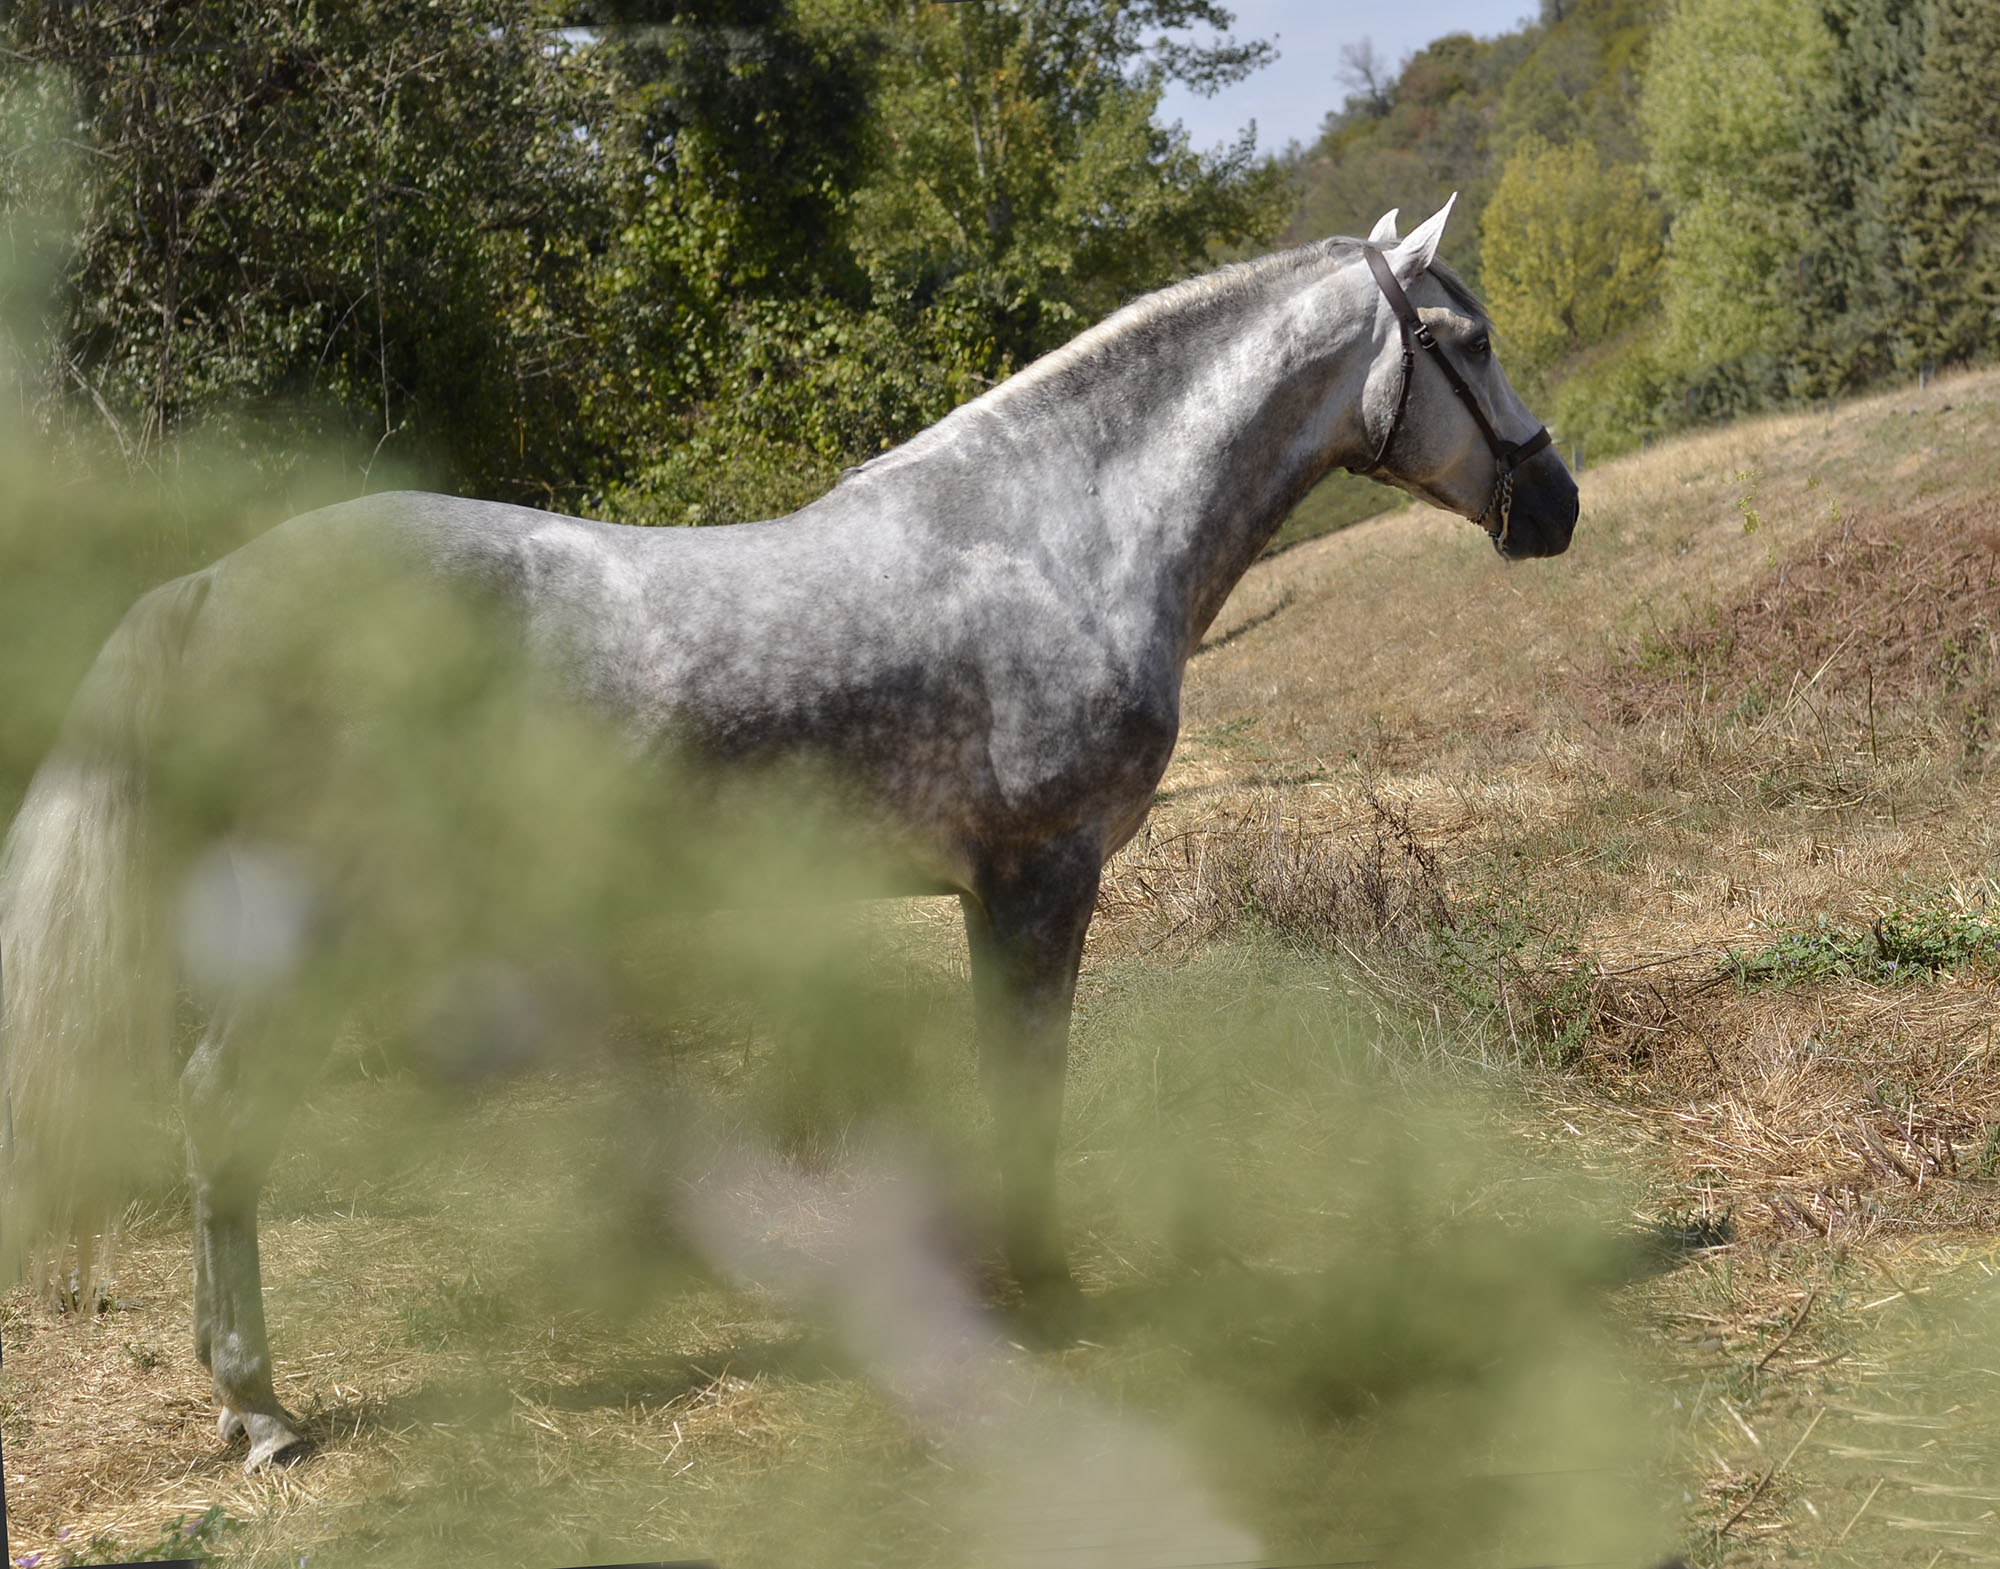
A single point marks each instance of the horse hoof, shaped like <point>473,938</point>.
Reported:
<point>229,1426</point>
<point>272,1442</point>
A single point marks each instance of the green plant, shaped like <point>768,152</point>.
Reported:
<point>1746,504</point>
<point>1900,946</point>
<point>1754,704</point>
<point>199,1539</point>
<point>457,1312</point>
<point>1500,961</point>
<point>1571,252</point>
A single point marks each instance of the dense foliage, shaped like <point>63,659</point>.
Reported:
<point>1460,108</point>
<point>1725,112</point>
<point>1826,174</point>
<point>1538,132</point>
<point>1843,214</point>
<point>1001,184</point>
<point>1572,252</point>
<point>683,260</point>
<point>362,221</point>
<point>687,257</point>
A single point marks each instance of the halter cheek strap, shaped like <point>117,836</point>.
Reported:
<point>1507,455</point>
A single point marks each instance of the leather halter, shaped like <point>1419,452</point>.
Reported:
<point>1507,455</point>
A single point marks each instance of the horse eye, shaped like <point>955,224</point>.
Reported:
<point>1482,345</point>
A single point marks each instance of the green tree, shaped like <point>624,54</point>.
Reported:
<point>1581,80</point>
<point>1727,103</point>
<point>364,222</point>
<point>1434,140</point>
<point>747,361</point>
<point>1011,187</point>
<point>1457,110</point>
<point>1851,291</point>
<point>1944,193</point>
<point>1023,187</point>
<point>1571,251</point>
<point>685,257</point>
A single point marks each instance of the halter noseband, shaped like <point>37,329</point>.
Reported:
<point>1508,455</point>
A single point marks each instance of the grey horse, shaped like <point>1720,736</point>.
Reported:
<point>982,634</point>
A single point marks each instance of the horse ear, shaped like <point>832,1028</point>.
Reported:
<point>1384,232</point>
<point>1416,253</point>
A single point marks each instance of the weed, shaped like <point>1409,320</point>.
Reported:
<point>455,1313</point>
<point>1754,704</point>
<point>1226,734</point>
<point>1692,1230</point>
<point>1379,894</point>
<point>1900,946</point>
<point>1314,890</point>
<point>1669,651</point>
<point>1501,965</point>
<point>1746,504</point>
<point>1986,1165</point>
<point>198,1540</point>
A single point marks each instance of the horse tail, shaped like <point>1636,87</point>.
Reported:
<point>86,977</point>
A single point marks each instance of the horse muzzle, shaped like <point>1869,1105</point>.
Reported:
<point>1543,509</point>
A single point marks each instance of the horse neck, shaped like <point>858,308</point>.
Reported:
<point>1205,431</point>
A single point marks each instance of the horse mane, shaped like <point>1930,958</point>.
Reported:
<point>1148,317</point>
<point>1144,320</point>
<point>1461,292</point>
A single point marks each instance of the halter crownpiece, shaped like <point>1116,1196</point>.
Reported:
<point>1508,455</point>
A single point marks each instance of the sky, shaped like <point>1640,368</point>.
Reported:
<point>1288,99</point>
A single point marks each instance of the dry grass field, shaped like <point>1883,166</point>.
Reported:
<point>1756,697</point>
<point>1533,1104</point>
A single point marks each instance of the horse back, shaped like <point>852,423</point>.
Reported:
<point>948,678</point>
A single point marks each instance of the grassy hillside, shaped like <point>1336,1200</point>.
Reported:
<point>1531,1104</point>
<point>1712,798</point>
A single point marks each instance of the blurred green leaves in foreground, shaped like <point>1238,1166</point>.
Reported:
<point>724,1292</point>
<point>610,1229</point>
<point>613,1230</point>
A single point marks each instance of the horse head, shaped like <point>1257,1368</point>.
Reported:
<point>1446,423</point>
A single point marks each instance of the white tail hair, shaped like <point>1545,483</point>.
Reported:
<point>86,978</point>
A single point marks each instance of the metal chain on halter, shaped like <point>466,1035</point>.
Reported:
<point>1503,498</point>
<point>1507,455</point>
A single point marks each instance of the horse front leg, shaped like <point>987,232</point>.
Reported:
<point>1024,925</point>
<point>236,1094</point>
